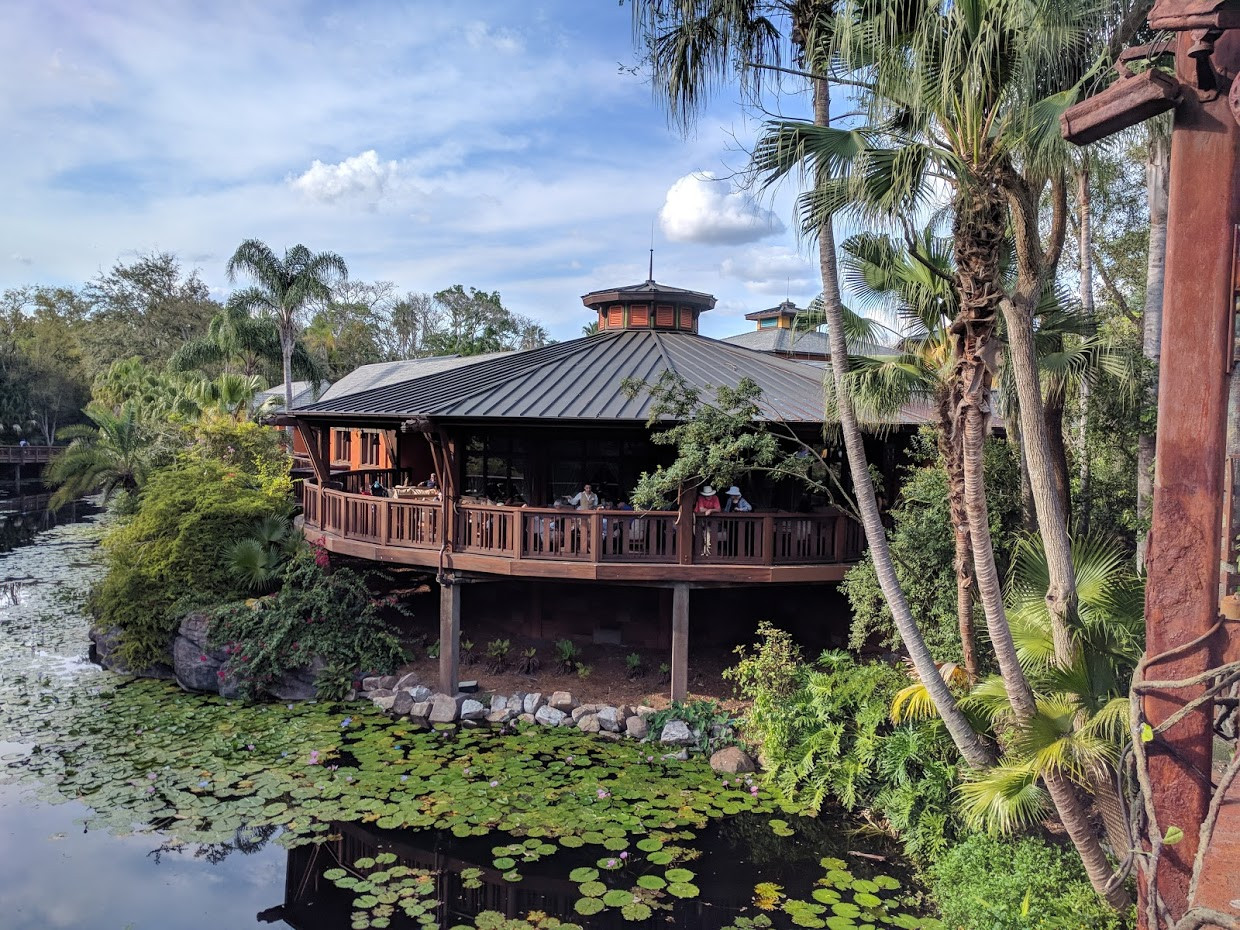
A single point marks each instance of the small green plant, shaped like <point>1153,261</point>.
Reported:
<point>432,651</point>
<point>469,654</point>
<point>703,718</point>
<point>259,560</point>
<point>497,655</point>
<point>665,673</point>
<point>634,666</point>
<point>528,664</point>
<point>566,654</point>
<point>583,670</point>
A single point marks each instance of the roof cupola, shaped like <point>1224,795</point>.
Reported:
<point>648,306</point>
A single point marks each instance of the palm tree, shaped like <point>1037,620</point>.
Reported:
<point>964,93</point>
<point>114,454</point>
<point>693,47</point>
<point>229,394</point>
<point>282,290</point>
<point>236,339</point>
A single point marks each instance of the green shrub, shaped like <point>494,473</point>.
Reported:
<point>984,883</point>
<point>317,613</point>
<point>171,556</point>
<point>826,736</point>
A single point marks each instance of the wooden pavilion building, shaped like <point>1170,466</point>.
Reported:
<point>512,436</point>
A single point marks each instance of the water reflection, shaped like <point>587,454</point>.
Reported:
<point>23,518</point>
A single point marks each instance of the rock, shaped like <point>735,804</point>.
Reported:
<point>676,733</point>
<point>388,682</point>
<point>421,710</point>
<point>583,710</point>
<point>472,710</point>
<point>402,701</point>
<point>563,701</point>
<point>526,718</point>
<point>609,719</point>
<point>195,664</point>
<point>533,702</point>
<point>384,702</point>
<point>549,716</point>
<point>636,727</point>
<point>732,761</point>
<point>588,723</point>
<point>407,682</point>
<point>467,687</point>
<point>623,712</point>
<point>498,716</point>
<point>498,702</point>
<point>443,709</point>
<point>298,684</point>
<point>682,756</point>
<point>380,692</point>
<point>517,702</point>
<point>420,693</point>
<point>606,734</point>
<point>646,711</point>
<point>371,683</point>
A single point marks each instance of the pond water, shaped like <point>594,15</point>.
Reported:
<point>131,804</point>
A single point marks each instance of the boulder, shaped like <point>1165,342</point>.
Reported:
<point>732,761</point>
<point>609,719</point>
<point>371,683</point>
<point>402,703</point>
<point>607,734</point>
<point>472,710</point>
<point>421,710</point>
<point>498,716</point>
<point>583,710</point>
<point>526,718</point>
<point>443,709</point>
<point>380,692</point>
<point>196,665</point>
<point>388,682</point>
<point>646,711</point>
<point>517,702</point>
<point>681,756</point>
<point>533,702</point>
<point>563,701</point>
<point>549,716</point>
<point>407,682</point>
<point>498,702</point>
<point>636,727</point>
<point>419,693</point>
<point>384,702</point>
<point>298,684</point>
<point>588,723</point>
<point>676,733</point>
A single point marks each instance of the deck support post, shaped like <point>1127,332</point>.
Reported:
<point>680,642</point>
<point>449,635</point>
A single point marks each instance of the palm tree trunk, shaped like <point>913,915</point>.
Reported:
<point>962,560</point>
<point>1076,821</point>
<point>974,751</point>
<point>286,356</point>
<point>1158,181</point>
<point>1085,243</point>
<point>1053,415</point>
<point>1110,804</point>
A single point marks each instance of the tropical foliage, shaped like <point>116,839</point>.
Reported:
<point>115,454</point>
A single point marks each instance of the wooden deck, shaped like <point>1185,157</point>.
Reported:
<point>22,455</point>
<point>598,545</point>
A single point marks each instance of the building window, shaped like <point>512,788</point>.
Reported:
<point>615,317</point>
<point>495,468</point>
<point>768,323</point>
<point>342,445</point>
<point>639,315</point>
<point>686,319</point>
<point>665,316</point>
<point>370,449</point>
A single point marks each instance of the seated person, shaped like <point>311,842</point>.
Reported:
<point>377,488</point>
<point>431,482</point>
<point>585,499</point>
<point>736,502</point>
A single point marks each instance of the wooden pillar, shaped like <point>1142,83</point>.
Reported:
<point>684,525</point>
<point>1184,549</point>
<point>449,635</point>
<point>680,642</point>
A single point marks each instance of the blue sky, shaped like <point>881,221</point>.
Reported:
<point>494,144</point>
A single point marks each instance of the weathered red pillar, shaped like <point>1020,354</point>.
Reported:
<point>1185,538</point>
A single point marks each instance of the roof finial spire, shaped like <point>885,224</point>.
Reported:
<point>650,273</point>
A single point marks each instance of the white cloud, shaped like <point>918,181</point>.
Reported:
<point>362,178</point>
<point>480,35</point>
<point>703,208</point>
<point>771,270</point>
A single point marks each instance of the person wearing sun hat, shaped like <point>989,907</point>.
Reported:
<point>707,505</point>
<point>736,502</point>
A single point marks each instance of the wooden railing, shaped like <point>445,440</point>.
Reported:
<point>20,455</point>
<point>547,534</point>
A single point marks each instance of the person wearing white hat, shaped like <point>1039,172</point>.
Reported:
<point>707,505</point>
<point>736,502</point>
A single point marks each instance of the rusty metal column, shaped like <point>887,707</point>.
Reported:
<point>1183,561</point>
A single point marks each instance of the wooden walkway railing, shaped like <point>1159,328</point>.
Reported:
<point>21,455</point>
<point>547,534</point>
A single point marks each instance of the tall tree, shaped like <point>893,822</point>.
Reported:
<point>283,289</point>
<point>1158,181</point>
<point>696,45</point>
<point>236,341</point>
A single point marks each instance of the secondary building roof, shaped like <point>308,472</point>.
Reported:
<point>583,379</point>
<point>383,374</point>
